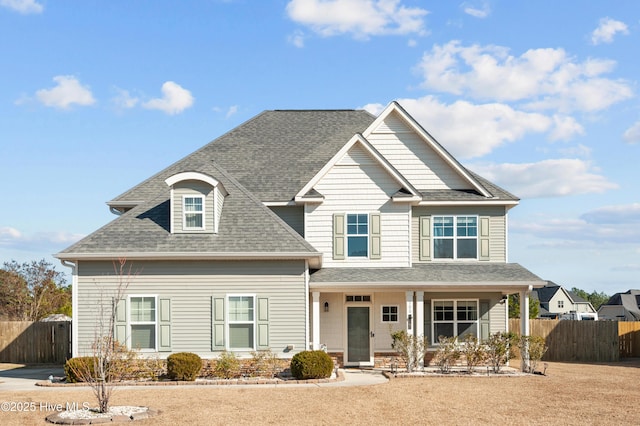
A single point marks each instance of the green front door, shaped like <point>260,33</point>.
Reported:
<point>358,340</point>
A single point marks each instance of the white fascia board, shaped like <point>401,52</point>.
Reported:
<point>357,138</point>
<point>483,286</point>
<point>279,203</point>
<point>315,259</point>
<point>508,203</point>
<point>179,177</point>
<point>435,145</point>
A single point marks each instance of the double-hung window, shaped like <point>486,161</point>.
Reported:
<point>193,209</point>
<point>241,322</point>
<point>455,237</point>
<point>142,321</point>
<point>357,235</point>
<point>455,318</point>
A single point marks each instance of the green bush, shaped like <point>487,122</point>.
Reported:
<point>80,369</point>
<point>311,365</point>
<point>183,366</point>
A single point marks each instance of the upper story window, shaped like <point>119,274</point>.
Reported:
<point>357,235</point>
<point>193,212</point>
<point>455,237</point>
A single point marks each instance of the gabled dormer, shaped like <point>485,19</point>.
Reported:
<point>196,203</point>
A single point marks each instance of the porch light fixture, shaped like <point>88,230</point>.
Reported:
<point>326,306</point>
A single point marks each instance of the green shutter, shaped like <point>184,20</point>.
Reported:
<point>164,326</point>
<point>425,238</point>
<point>484,238</point>
<point>217,323</point>
<point>485,329</point>
<point>374,236</point>
<point>338,236</point>
<point>120,327</point>
<point>263,323</point>
<point>427,321</point>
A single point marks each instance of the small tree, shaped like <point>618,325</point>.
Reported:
<point>109,357</point>
<point>411,349</point>
<point>514,307</point>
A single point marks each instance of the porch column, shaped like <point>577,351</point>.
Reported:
<point>420,320</point>
<point>409,299</point>
<point>315,314</point>
<point>524,324</point>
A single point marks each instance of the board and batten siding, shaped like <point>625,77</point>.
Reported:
<point>358,184</point>
<point>292,216</point>
<point>497,227</point>
<point>190,286</point>
<point>413,157</point>
<point>192,188</point>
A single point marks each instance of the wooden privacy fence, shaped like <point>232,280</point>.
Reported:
<point>26,342</point>
<point>629,339</point>
<point>586,341</point>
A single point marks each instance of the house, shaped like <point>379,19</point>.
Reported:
<point>304,230</point>
<point>557,302</point>
<point>622,307</point>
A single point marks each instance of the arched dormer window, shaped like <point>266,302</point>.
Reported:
<point>196,202</point>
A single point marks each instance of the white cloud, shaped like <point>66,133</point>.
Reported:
<point>68,92</point>
<point>174,100</point>
<point>232,111</point>
<point>632,134</point>
<point>477,12</point>
<point>297,39</point>
<point>467,130</point>
<point>547,178</point>
<point>362,18</point>
<point>627,214</point>
<point>565,128</point>
<point>11,238</point>
<point>607,29</point>
<point>541,78</point>
<point>124,100</point>
<point>23,6</point>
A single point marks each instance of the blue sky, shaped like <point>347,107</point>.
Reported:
<point>540,97</point>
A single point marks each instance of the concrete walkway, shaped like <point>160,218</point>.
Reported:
<point>15,377</point>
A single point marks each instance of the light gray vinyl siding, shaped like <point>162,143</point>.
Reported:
<point>358,184</point>
<point>497,227</point>
<point>190,286</point>
<point>413,157</point>
<point>292,215</point>
<point>191,188</point>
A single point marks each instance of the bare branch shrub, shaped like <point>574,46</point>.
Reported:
<point>447,353</point>
<point>474,352</point>
<point>411,349</point>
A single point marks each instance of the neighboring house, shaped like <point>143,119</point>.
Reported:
<point>621,307</point>
<point>557,302</point>
<point>304,229</point>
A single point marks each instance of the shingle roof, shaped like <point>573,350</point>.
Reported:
<point>244,223</point>
<point>276,153</point>
<point>432,273</point>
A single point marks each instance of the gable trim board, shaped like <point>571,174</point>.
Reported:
<point>312,167</point>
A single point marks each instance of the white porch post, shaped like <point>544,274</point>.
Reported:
<point>315,313</point>
<point>409,299</point>
<point>524,324</point>
<point>420,320</point>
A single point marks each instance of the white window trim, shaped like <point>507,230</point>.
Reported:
<point>347,235</point>
<point>455,238</point>
<point>397,314</point>
<point>434,338</point>
<point>184,213</point>
<point>228,322</point>
<point>154,322</point>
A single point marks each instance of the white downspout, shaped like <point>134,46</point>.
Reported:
<point>74,305</point>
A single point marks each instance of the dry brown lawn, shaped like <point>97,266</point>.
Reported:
<point>570,394</point>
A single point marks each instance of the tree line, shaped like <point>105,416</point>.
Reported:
<point>31,291</point>
<point>595,298</point>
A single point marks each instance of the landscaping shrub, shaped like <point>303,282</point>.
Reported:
<point>500,349</point>
<point>411,349</point>
<point>535,347</point>
<point>79,369</point>
<point>447,353</point>
<point>183,366</point>
<point>474,352</point>
<point>264,364</point>
<point>311,365</point>
<point>227,365</point>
